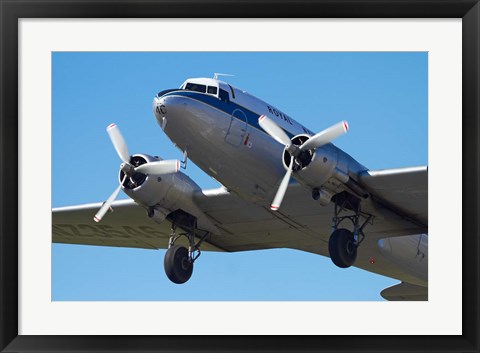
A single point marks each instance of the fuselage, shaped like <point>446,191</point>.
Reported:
<point>223,137</point>
<point>217,125</point>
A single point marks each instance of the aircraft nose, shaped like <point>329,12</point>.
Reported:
<point>159,106</point>
<point>160,111</point>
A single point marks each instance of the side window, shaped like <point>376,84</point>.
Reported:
<point>223,95</point>
<point>212,90</point>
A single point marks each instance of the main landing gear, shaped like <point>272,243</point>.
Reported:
<point>343,243</point>
<point>179,260</point>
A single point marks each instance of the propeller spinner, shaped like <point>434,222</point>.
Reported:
<point>314,142</point>
<point>157,167</point>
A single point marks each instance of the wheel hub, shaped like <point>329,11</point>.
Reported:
<point>185,263</point>
<point>351,247</point>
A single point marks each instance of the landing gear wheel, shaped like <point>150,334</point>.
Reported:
<point>342,248</point>
<point>178,266</point>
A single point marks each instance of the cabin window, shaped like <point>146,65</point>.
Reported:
<point>212,90</point>
<point>196,87</point>
<point>223,95</point>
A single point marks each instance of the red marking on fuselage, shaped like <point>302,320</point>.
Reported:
<point>246,140</point>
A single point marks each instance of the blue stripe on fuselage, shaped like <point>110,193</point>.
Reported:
<point>226,107</point>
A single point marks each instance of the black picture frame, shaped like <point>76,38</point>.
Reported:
<point>11,11</point>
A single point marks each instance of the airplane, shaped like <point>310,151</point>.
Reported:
<point>283,186</point>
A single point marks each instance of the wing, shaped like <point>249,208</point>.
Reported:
<point>127,226</point>
<point>399,205</point>
<point>302,223</point>
<point>241,225</point>
<point>406,189</point>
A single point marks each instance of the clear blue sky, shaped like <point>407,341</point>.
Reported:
<point>383,96</point>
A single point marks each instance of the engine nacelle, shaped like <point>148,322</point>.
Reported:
<point>161,194</point>
<point>152,190</point>
<point>319,169</point>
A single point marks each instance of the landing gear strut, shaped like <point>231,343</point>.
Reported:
<point>179,260</point>
<point>343,243</point>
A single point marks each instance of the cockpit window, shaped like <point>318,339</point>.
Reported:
<point>223,95</point>
<point>233,92</point>
<point>212,90</point>
<point>161,93</point>
<point>196,87</point>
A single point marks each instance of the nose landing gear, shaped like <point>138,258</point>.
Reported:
<point>343,244</point>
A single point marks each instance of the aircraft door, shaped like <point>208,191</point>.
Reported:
<point>238,128</point>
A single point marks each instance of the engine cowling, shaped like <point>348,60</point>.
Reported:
<point>161,194</point>
<point>317,169</point>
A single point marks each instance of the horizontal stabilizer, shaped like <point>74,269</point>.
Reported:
<point>405,291</point>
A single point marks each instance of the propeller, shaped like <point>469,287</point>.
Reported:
<point>282,189</point>
<point>118,142</point>
<point>314,142</point>
<point>325,136</point>
<point>106,205</point>
<point>157,167</point>
<point>274,130</point>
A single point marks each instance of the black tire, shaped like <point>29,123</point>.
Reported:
<point>342,249</point>
<point>177,264</point>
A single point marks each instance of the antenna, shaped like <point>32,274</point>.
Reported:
<point>216,74</point>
